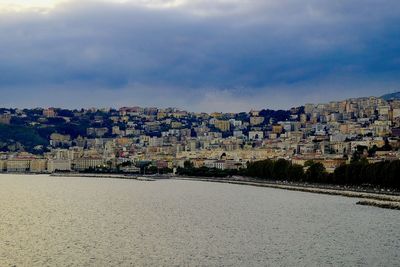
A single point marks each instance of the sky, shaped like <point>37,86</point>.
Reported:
<point>199,55</point>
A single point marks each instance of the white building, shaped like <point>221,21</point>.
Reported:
<point>82,164</point>
<point>256,135</point>
<point>58,165</point>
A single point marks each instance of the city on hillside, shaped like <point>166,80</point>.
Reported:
<point>133,139</point>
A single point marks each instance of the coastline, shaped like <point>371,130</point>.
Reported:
<point>381,199</point>
<point>104,175</point>
<point>94,175</point>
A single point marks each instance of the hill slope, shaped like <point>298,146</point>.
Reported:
<point>391,96</point>
<point>22,135</point>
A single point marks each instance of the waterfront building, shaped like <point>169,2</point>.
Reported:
<point>86,163</point>
<point>54,165</point>
<point>38,166</point>
<point>3,165</point>
<point>18,165</point>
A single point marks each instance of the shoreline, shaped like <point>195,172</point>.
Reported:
<point>381,199</point>
<point>105,175</point>
<point>94,175</point>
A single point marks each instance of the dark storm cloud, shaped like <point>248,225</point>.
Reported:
<point>243,51</point>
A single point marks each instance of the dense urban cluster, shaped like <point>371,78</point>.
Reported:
<point>136,139</point>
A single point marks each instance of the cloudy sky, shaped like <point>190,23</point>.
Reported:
<point>201,55</point>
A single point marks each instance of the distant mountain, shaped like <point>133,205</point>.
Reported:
<point>391,96</point>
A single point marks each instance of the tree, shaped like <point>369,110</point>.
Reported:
<point>188,164</point>
<point>339,175</point>
<point>280,170</point>
<point>295,172</point>
<point>386,146</point>
<point>359,153</point>
<point>316,173</point>
<point>308,163</point>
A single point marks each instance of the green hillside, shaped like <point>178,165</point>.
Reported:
<point>391,96</point>
<point>13,135</point>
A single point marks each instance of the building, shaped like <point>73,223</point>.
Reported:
<point>116,130</point>
<point>98,132</point>
<point>176,124</point>
<point>5,118</point>
<point>277,129</point>
<point>256,120</point>
<point>57,139</point>
<point>82,164</point>
<point>54,165</point>
<point>223,164</point>
<point>222,125</point>
<point>38,165</point>
<point>3,165</point>
<point>256,135</point>
<point>49,113</point>
<point>18,165</point>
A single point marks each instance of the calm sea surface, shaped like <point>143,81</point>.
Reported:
<point>53,221</point>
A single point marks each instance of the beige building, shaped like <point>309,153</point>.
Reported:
<point>57,139</point>
<point>222,125</point>
<point>60,137</point>
<point>303,118</point>
<point>277,129</point>
<point>38,165</point>
<point>3,165</point>
<point>58,165</point>
<point>176,124</point>
<point>18,165</point>
<point>82,164</point>
<point>256,120</point>
<point>49,113</point>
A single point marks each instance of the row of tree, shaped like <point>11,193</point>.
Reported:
<point>358,172</point>
<point>190,170</point>
<point>381,174</point>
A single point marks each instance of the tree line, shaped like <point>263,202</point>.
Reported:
<point>359,172</point>
<point>189,170</point>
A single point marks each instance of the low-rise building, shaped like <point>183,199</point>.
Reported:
<point>38,165</point>
<point>54,165</point>
<point>18,165</point>
<point>3,165</point>
<point>82,164</point>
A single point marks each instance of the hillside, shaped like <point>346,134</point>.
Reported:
<point>391,96</point>
<point>19,137</point>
